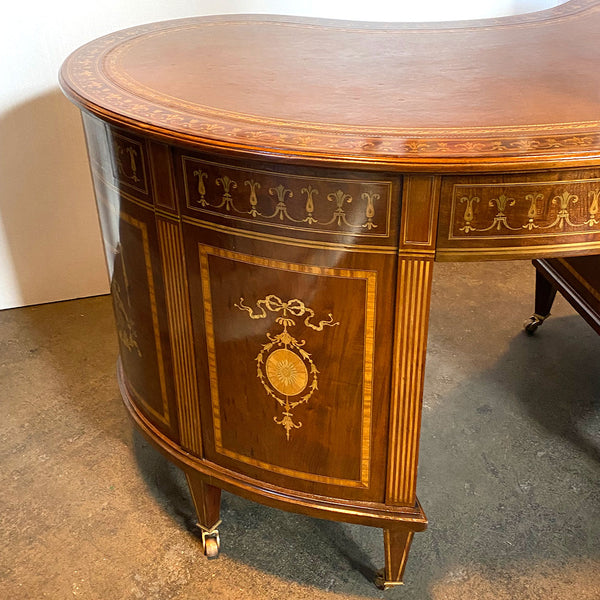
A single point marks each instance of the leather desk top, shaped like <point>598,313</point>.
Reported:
<point>513,93</point>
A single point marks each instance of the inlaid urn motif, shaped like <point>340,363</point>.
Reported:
<point>285,369</point>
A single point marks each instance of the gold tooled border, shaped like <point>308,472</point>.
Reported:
<point>370,277</point>
<point>129,84</point>
<point>89,80</point>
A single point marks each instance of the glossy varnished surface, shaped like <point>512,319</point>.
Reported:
<point>201,289</point>
<point>554,212</point>
<point>501,93</point>
<point>273,193</point>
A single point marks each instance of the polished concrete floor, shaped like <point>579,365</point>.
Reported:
<point>509,469</point>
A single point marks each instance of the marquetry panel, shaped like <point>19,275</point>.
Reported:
<point>130,163</point>
<point>288,371</point>
<point>520,213</point>
<point>291,204</point>
<point>131,248</point>
<point>135,302</point>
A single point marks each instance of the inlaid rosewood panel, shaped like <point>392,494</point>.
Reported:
<point>130,163</point>
<point>285,201</point>
<point>295,374</point>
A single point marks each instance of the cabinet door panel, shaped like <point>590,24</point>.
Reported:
<point>293,337</point>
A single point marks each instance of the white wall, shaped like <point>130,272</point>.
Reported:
<point>50,245</point>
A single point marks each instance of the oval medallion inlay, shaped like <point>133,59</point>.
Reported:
<point>286,372</point>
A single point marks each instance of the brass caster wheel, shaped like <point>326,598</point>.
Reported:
<point>380,581</point>
<point>533,323</point>
<point>211,544</point>
<point>211,548</point>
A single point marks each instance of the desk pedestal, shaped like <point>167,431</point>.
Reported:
<point>272,324</point>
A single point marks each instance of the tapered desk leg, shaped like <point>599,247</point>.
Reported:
<point>207,501</point>
<point>545,293</point>
<point>397,543</point>
<point>413,297</point>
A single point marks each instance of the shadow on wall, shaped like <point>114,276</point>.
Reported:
<point>46,206</point>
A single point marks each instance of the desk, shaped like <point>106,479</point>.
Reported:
<point>577,279</point>
<point>273,192</point>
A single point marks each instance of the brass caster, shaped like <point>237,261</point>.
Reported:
<point>533,323</point>
<point>212,547</point>
<point>381,582</point>
<point>211,542</point>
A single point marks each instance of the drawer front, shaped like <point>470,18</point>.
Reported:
<point>130,166</point>
<point>519,216</point>
<point>313,204</point>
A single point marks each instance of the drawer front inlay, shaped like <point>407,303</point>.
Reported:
<point>289,202</point>
<point>519,213</point>
<point>130,163</point>
<point>525,210</point>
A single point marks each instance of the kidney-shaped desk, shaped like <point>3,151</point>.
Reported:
<point>273,192</point>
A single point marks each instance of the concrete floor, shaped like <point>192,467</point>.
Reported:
<point>509,475</point>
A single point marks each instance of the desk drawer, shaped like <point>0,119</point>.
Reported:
<point>519,216</point>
